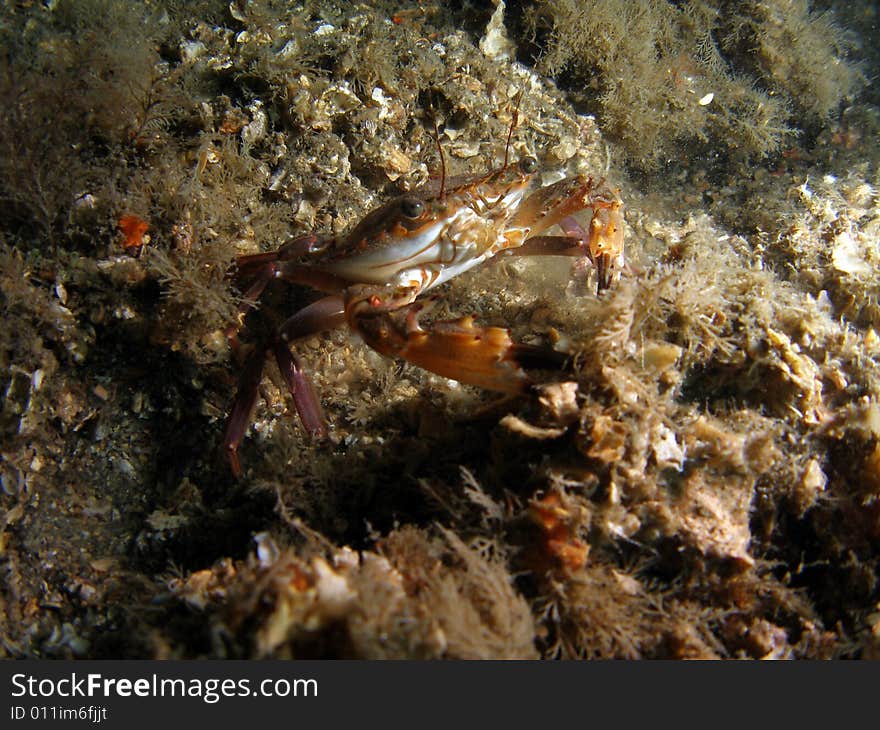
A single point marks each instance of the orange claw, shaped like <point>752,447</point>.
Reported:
<point>475,355</point>
<point>456,349</point>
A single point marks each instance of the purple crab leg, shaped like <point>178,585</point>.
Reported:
<point>572,228</point>
<point>243,407</point>
<point>603,276</point>
<point>324,314</point>
<point>254,264</point>
<point>308,407</point>
<point>261,268</point>
<point>252,293</point>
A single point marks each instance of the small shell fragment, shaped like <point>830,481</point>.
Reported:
<point>707,99</point>
<point>396,161</point>
<point>660,356</point>
<point>523,428</point>
<point>190,51</point>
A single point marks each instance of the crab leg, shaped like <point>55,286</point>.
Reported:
<point>255,264</point>
<point>305,400</point>
<point>551,246</point>
<point>243,406</point>
<point>262,268</point>
<point>561,246</point>
<point>324,314</point>
<point>319,316</point>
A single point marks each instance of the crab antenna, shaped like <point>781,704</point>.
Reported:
<point>440,151</point>
<point>513,123</point>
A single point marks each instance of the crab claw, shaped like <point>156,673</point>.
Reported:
<point>605,241</point>
<point>456,349</point>
<point>602,241</point>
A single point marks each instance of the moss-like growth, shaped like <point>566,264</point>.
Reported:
<point>662,74</point>
<point>417,597</point>
<point>795,52</point>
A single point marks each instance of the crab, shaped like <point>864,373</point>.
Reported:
<point>373,277</point>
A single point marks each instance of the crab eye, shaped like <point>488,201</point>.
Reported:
<point>528,165</point>
<point>412,207</point>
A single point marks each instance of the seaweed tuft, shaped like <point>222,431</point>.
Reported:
<point>670,78</point>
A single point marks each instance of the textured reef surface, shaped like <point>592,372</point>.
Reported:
<point>703,482</point>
